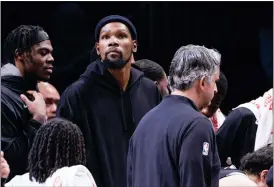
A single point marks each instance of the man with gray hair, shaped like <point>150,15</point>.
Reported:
<point>174,144</point>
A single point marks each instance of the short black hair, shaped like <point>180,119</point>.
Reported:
<point>19,39</point>
<point>222,85</point>
<point>57,144</point>
<point>151,69</point>
<point>254,163</point>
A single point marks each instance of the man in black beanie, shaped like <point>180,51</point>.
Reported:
<point>109,100</point>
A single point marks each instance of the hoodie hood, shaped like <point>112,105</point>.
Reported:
<point>12,79</point>
<point>104,77</point>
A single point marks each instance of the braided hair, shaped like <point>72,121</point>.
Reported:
<point>19,39</point>
<point>151,69</point>
<point>57,144</point>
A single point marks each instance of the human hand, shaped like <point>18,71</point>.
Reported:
<point>37,107</point>
<point>5,169</point>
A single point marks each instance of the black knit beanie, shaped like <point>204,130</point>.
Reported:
<point>115,18</point>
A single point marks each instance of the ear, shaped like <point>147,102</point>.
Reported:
<point>19,55</point>
<point>97,48</point>
<point>134,43</point>
<point>263,175</point>
<point>202,82</point>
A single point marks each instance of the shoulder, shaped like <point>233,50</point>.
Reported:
<point>201,123</point>
<point>147,83</point>
<point>196,127</point>
<point>239,114</point>
<point>77,175</point>
<point>20,180</point>
<point>236,180</point>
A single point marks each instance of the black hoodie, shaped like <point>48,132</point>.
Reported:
<point>107,117</point>
<point>17,127</point>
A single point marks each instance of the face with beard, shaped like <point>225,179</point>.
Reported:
<point>38,63</point>
<point>115,45</point>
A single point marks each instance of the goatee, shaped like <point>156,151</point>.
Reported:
<point>118,64</point>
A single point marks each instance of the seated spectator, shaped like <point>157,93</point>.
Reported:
<point>253,170</point>
<point>57,158</point>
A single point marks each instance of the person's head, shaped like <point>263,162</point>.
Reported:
<point>154,72</point>
<point>195,68</point>
<point>51,97</point>
<point>256,165</point>
<point>116,41</point>
<point>218,97</point>
<point>57,144</point>
<point>29,49</point>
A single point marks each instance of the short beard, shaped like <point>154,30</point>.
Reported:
<point>118,64</point>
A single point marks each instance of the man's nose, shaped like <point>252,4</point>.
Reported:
<point>50,58</point>
<point>113,41</point>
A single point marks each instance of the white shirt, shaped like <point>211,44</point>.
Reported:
<point>64,177</point>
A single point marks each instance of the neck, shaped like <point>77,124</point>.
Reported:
<point>253,178</point>
<point>131,60</point>
<point>20,67</point>
<point>190,94</point>
<point>30,81</point>
<point>122,75</point>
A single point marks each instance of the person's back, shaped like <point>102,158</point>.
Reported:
<point>174,144</point>
<point>159,144</point>
<point>247,128</point>
<point>72,176</point>
<point>57,157</point>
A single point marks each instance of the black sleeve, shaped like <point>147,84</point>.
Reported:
<point>199,163</point>
<point>16,139</point>
<point>236,136</point>
<point>67,108</point>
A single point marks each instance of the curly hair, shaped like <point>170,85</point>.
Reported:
<point>19,39</point>
<point>57,144</point>
<point>254,163</point>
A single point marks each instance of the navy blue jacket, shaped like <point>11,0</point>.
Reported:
<point>173,145</point>
<point>107,117</point>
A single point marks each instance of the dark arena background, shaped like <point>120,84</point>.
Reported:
<point>241,31</point>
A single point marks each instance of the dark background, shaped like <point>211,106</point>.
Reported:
<point>241,31</point>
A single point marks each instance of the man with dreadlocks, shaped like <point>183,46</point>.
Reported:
<point>109,100</point>
<point>57,158</point>
<point>27,59</point>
